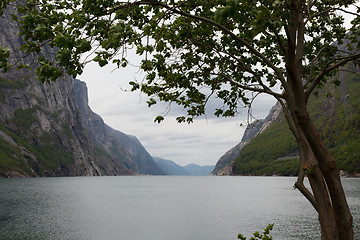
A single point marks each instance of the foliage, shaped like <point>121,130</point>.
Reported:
<point>229,38</point>
<point>7,83</point>
<point>192,50</point>
<point>67,130</point>
<point>24,118</point>
<point>337,117</point>
<point>10,158</point>
<point>48,151</point>
<point>258,236</point>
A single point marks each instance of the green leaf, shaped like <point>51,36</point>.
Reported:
<point>159,119</point>
<point>151,102</point>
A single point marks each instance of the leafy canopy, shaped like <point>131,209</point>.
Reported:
<point>192,50</point>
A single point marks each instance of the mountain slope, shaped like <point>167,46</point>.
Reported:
<point>123,148</point>
<point>171,168</point>
<point>43,133</point>
<point>335,112</point>
<point>41,130</point>
<point>197,170</point>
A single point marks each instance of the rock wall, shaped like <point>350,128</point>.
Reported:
<point>120,146</point>
<point>44,131</point>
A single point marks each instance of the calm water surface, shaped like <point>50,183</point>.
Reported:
<point>159,208</point>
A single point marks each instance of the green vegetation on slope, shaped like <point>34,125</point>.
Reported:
<point>269,153</point>
<point>337,116</point>
<point>11,159</point>
<point>48,151</point>
<point>24,118</point>
<point>13,84</point>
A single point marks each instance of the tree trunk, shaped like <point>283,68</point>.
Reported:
<point>325,181</point>
<point>320,198</point>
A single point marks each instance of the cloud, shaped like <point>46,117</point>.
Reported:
<point>202,142</point>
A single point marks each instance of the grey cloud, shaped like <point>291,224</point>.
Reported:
<point>202,142</point>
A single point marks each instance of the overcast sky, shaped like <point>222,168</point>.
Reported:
<point>202,142</point>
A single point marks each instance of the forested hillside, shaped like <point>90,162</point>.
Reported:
<point>336,112</point>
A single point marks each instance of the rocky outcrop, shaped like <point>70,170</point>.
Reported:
<point>44,131</point>
<point>41,130</point>
<point>123,148</point>
<point>225,163</point>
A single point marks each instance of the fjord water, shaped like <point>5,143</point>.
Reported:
<point>159,208</point>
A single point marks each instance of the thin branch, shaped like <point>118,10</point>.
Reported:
<point>300,41</point>
<point>250,108</point>
<point>321,13</point>
<point>280,42</point>
<point>213,23</point>
<point>319,77</point>
<point>346,11</point>
<point>333,10</point>
<point>253,89</point>
<point>312,65</point>
<point>246,68</point>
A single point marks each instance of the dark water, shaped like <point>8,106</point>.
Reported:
<point>159,208</point>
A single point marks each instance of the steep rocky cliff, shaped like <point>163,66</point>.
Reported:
<point>43,133</point>
<point>124,148</point>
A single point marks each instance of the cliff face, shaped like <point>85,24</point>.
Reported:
<point>43,133</point>
<point>41,130</point>
<point>123,148</point>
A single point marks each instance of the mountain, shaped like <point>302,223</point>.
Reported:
<point>273,150</point>
<point>170,167</point>
<point>124,148</point>
<point>197,170</point>
<point>224,165</point>
<point>47,129</point>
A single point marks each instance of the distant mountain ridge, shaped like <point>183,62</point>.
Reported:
<point>171,168</point>
<point>197,170</point>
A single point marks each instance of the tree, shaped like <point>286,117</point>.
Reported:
<point>192,50</point>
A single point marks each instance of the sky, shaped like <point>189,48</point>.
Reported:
<point>202,142</point>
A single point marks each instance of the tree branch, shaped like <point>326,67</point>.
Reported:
<point>213,23</point>
<point>311,65</point>
<point>299,184</point>
<point>253,89</point>
<point>249,70</point>
<point>318,78</point>
<point>300,41</point>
